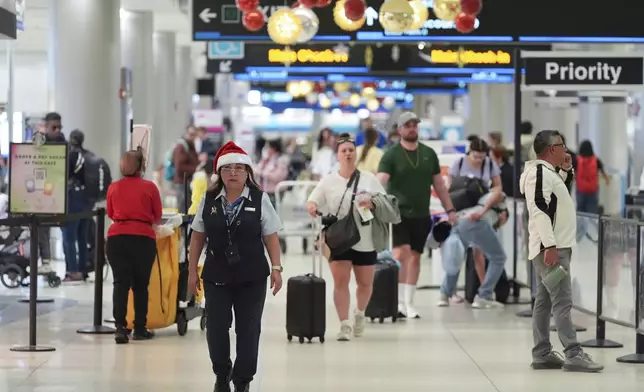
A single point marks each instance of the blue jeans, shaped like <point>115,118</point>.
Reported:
<point>448,287</point>
<point>588,202</point>
<point>481,235</point>
<point>75,233</point>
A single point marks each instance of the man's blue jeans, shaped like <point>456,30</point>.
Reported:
<point>481,235</point>
<point>75,233</point>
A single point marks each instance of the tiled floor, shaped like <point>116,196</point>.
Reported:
<point>453,349</point>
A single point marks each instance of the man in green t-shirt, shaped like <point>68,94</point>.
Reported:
<point>408,170</point>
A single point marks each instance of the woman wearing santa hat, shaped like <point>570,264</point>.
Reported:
<point>238,221</point>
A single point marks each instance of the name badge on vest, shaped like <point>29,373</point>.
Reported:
<point>213,211</point>
<point>252,209</point>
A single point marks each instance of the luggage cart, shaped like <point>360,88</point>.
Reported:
<point>290,203</point>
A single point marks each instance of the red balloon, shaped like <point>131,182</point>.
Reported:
<point>253,20</point>
<point>465,23</point>
<point>471,7</point>
<point>354,9</point>
<point>308,3</point>
<point>322,3</point>
<point>247,5</point>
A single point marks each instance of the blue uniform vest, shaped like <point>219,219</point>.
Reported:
<point>246,232</point>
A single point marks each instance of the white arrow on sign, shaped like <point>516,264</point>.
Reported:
<point>225,66</point>
<point>371,15</point>
<point>206,15</point>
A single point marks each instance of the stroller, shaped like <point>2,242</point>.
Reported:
<point>15,259</point>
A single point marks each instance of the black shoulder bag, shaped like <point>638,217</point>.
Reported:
<point>342,235</point>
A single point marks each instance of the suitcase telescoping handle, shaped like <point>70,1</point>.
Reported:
<point>318,253</point>
<point>391,237</point>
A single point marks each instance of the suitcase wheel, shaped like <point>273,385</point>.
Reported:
<point>289,338</point>
<point>301,339</point>
<point>372,319</point>
<point>202,323</point>
<point>321,339</point>
<point>394,319</point>
<point>310,339</point>
<point>382,320</point>
<point>182,323</point>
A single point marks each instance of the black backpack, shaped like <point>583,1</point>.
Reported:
<point>465,192</point>
<point>97,177</point>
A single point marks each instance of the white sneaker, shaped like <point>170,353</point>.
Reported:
<point>402,310</point>
<point>44,269</point>
<point>411,312</point>
<point>345,332</point>
<point>358,324</point>
<point>443,301</point>
<point>482,303</point>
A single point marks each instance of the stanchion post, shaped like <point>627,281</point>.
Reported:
<point>638,357</point>
<point>528,312</point>
<point>600,340</point>
<point>33,292</point>
<point>99,263</point>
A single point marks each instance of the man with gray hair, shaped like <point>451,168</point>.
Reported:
<point>552,228</point>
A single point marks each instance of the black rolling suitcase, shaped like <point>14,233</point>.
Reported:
<point>384,299</point>
<point>472,283</point>
<point>306,304</point>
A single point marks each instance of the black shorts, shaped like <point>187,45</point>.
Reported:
<point>412,232</point>
<point>357,258</point>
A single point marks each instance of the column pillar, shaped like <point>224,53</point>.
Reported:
<point>500,110</point>
<point>84,61</point>
<point>137,28</point>
<point>477,119</point>
<point>185,85</point>
<point>165,126</point>
<point>603,121</point>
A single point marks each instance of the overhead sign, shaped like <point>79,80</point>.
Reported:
<point>373,58</point>
<point>222,21</point>
<point>8,19</point>
<point>226,50</point>
<point>565,70</point>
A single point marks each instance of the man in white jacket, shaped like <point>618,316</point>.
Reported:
<point>552,228</point>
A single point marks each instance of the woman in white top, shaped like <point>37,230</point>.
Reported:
<point>329,197</point>
<point>324,161</point>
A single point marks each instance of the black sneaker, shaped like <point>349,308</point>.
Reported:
<point>143,335</point>
<point>121,335</point>
<point>242,388</point>
<point>222,386</point>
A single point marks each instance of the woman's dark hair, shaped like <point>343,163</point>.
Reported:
<point>209,166</point>
<point>276,145</point>
<point>479,145</point>
<point>321,136</point>
<point>216,187</point>
<point>586,149</point>
<point>471,138</point>
<point>371,139</point>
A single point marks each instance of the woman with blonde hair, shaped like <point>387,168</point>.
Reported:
<point>134,205</point>
<point>369,154</point>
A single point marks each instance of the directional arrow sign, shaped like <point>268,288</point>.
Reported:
<point>371,15</point>
<point>207,15</point>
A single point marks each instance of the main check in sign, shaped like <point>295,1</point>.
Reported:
<point>565,70</point>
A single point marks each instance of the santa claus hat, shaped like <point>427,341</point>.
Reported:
<point>231,153</point>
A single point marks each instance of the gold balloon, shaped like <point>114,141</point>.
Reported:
<point>340,18</point>
<point>421,14</point>
<point>341,87</point>
<point>396,16</point>
<point>373,104</point>
<point>355,100</point>
<point>447,9</point>
<point>284,27</point>
<point>369,92</point>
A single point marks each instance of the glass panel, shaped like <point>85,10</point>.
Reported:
<point>523,264</point>
<point>641,272</point>
<point>583,268</point>
<point>620,270</point>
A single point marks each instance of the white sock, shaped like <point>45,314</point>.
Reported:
<point>410,291</point>
<point>359,312</point>
<point>402,290</point>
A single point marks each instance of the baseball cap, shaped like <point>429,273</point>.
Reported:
<point>440,232</point>
<point>406,117</point>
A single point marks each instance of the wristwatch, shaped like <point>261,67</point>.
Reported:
<point>277,268</point>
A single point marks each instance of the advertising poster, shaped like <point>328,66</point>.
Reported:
<point>38,179</point>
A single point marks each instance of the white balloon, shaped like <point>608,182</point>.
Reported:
<point>310,23</point>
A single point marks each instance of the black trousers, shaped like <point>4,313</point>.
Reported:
<point>131,258</point>
<point>247,300</point>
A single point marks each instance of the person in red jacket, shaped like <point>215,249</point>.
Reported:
<point>134,205</point>
<point>589,166</point>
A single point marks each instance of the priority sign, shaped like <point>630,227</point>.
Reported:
<point>563,70</point>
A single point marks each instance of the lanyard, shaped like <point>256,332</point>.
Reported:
<point>232,218</point>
